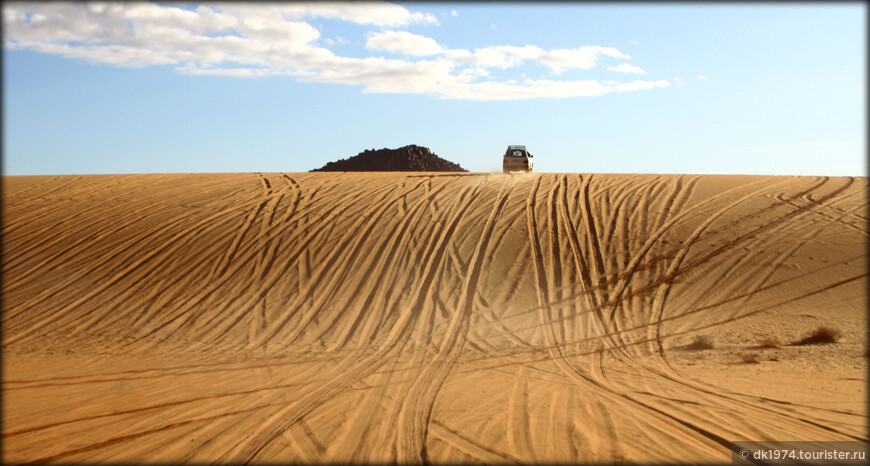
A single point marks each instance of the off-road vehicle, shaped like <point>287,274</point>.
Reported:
<point>517,158</point>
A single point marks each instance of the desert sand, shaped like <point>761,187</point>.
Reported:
<point>414,317</point>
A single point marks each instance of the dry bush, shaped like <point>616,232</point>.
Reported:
<point>750,358</point>
<point>770,342</point>
<point>701,342</point>
<point>821,335</point>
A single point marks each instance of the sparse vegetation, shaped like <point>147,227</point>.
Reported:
<point>821,335</point>
<point>702,342</point>
<point>770,342</point>
<point>750,358</point>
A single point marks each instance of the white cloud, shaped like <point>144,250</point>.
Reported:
<point>235,72</point>
<point>584,57</point>
<point>374,13</point>
<point>639,85</point>
<point>626,68</point>
<point>702,77</point>
<point>402,42</point>
<point>337,40</point>
<point>506,56</point>
<point>533,89</point>
<point>137,34</point>
<point>678,81</point>
<point>454,13</point>
<point>488,57</point>
<point>245,40</point>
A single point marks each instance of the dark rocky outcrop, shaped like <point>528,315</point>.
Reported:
<point>411,158</point>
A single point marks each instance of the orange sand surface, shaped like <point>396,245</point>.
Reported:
<point>412,317</point>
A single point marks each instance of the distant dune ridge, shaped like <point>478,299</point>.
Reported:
<point>429,317</point>
<point>409,158</point>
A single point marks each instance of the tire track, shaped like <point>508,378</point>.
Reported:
<point>572,372</point>
<point>74,252</point>
<point>415,414</point>
<point>662,292</point>
<point>378,270</point>
<point>168,247</point>
<point>354,243</point>
<point>622,279</point>
<point>468,446</point>
<point>449,296</point>
<point>350,371</point>
<point>519,435</point>
<point>183,318</point>
<point>47,180</point>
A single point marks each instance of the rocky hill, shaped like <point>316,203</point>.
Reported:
<point>410,158</point>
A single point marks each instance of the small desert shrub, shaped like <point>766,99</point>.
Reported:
<point>750,358</point>
<point>821,335</point>
<point>702,342</point>
<point>770,342</point>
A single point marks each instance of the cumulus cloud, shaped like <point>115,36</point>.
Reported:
<point>252,40</point>
<point>558,60</point>
<point>702,78</point>
<point>337,40</point>
<point>533,89</point>
<point>374,13</point>
<point>402,42</point>
<point>584,57</point>
<point>638,85</point>
<point>626,68</point>
<point>489,57</point>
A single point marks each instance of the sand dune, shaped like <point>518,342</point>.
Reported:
<point>418,317</point>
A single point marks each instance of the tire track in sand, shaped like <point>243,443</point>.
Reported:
<point>350,370</point>
<point>34,323</point>
<point>416,412</point>
<point>621,346</point>
<point>669,424</point>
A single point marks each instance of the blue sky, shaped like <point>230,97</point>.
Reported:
<point>710,88</point>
